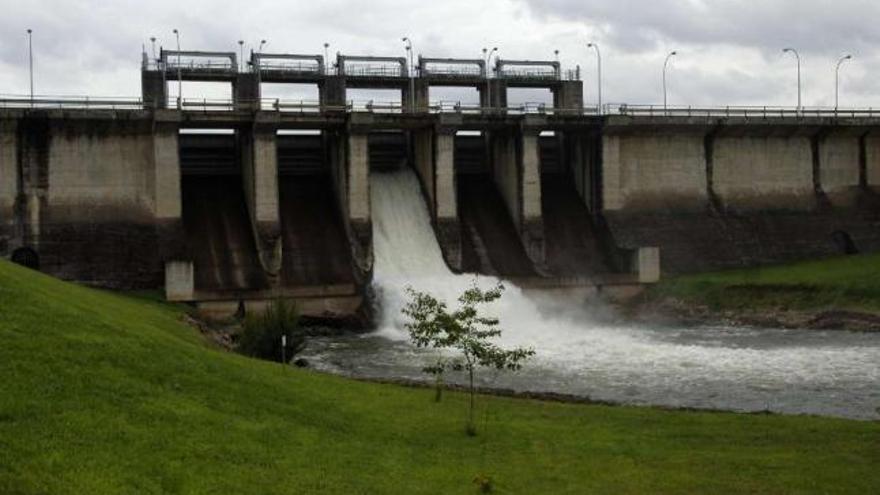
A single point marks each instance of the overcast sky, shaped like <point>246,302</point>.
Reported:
<point>730,51</point>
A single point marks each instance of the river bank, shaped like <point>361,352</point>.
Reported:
<point>840,293</point>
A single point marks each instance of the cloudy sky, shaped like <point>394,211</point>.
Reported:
<point>730,51</point>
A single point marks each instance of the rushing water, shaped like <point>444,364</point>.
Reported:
<point>827,373</point>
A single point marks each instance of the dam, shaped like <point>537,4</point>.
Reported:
<point>228,204</point>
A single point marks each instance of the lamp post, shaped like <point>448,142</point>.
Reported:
<point>258,66</point>
<point>488,58</point>
<point>558,67</point>
<point>797,56</point>
<point>153,44</point>
<point>412,81</point>
<point>241,55</point>
<point>326,57</point>
<point>665,65</point>
<point>598,74</point>
<point>837,80</point>
<point>31,62</point>
<point>179,78</point>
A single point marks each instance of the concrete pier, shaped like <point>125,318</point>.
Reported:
<point>260,179</point>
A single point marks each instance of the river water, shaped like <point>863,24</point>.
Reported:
<point>788,371</point>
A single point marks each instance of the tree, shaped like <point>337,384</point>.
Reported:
<point>465,330</point>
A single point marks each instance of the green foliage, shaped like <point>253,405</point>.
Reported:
<point>261,334</point>
<point>465,330</point>
<point>108,394</point>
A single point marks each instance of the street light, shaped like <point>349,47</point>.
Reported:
<point>598,73</point>
<point>665,65</point>
<point>488,57</point>
<point>412,81</point>
<point>31,62</point>
<point>558,67</point>
<point>326,57</point>
<point>798,57</point>
<point>153,44</point>
<point>837,80</point>
<point>179,78</point>
<point>241,55</point>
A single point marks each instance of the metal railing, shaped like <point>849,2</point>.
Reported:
<point>764,112</point>
<point>207,66</point>
<point>451,72</point>
<point>375,71</point>
<point>66,102</point>
<point>291,67</point>
<point>44,102</point>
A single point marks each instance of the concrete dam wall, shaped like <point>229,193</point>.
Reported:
<point>721,193</point>
<point>232,209</point>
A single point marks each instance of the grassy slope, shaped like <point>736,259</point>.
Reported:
<point>851,282</point>
<point>100,393</point>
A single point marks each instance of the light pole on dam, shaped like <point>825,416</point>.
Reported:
<point>665,66</point>
<point>598,76</point>
<point>837,80</point>
<point>797,57</point>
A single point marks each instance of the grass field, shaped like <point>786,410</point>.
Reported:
<point>103,393</point>
<point>844,283</point>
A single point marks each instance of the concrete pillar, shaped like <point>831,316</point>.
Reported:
<point>839,164</point>
<point>423,159</point>
<point>517,172</point>
<point>493,93</point>
<point>532,228</point>
<point>166,196</point>
<point>647,264</point>
<point>569,96</point>
<point>332,91</point>
<point>154,90</point>
<point>421,96</point>
<point>872,162</point>
<point>357,199</point>
<point>179,281</point>
<point>358,177</point>
<point>246,91</point>
<point>260,179</point>
<point>446,206</point>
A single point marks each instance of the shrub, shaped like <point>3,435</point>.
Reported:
<point>261,334</point>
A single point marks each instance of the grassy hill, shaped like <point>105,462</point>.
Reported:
<point>103,393</point>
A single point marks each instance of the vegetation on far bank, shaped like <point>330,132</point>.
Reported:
<point>840,283</point>
<point>103,393</point>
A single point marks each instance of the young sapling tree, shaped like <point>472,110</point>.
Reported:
<point>465,330</point>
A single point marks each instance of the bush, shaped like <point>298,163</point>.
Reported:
<point>261,334</point>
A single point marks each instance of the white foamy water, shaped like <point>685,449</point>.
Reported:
<point>834,373</point>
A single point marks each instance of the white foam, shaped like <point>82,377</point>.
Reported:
<point>407,254</point>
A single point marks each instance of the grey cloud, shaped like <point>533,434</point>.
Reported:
<point>818,26</point>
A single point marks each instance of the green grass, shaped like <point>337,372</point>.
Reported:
<point>844,283</point>
<point>103,393</point>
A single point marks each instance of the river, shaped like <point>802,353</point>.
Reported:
<point>827,373</point>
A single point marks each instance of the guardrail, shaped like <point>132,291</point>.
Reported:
<point>71,102</point>
<point>43,102</point>
<point>764,112</point>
